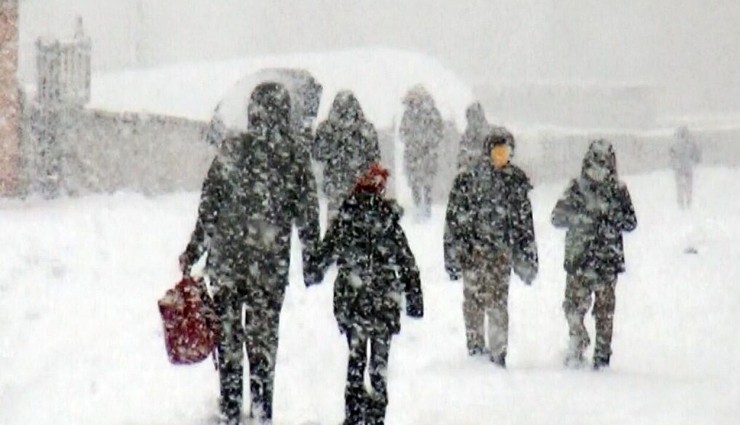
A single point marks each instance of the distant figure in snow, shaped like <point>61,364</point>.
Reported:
<point>685,155</point>
<point>595,209</point>
<point>475,134</point>
<point>421,131</point>
<point>376,271</point>
<point>346,143</point>
<point>488,232</point>
<point>259,185</point>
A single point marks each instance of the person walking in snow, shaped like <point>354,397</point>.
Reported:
<point>684,155</point>
<point>421,131</point>
<point>488,231</point>
<point>376,270</point>
<point>472,140</point>
<point>595,209</point>
<point>346,143</point>
<point>259,185</point>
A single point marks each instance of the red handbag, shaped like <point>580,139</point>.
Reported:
<point>191,326</point>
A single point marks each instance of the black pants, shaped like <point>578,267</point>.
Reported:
<point>260,335</point>
<point>360,406</point>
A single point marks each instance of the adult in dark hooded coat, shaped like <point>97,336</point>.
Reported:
<point>474,136</point>
<point>259,185</point>
<point>488,231</point>
<point>346,144</point>
<point>376,270</point>
<point>595,209</point>
<point>421,131</point>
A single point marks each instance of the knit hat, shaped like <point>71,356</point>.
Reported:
<point>374,180</point>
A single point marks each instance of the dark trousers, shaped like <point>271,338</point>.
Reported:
<point>580,291</point>
<point>360,406</point>
<point>260,335</point>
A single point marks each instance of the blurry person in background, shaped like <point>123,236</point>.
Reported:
<point>596,209</point>
<point>684,155</point>
<point>475,134</point>
<point>259,185</point>
<point>421,131</point>
<point>346,143</point>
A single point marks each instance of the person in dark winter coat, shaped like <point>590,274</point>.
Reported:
<point>595,209</point>
<point>421,131</point>
<point>489,230</point>
<point>685,155</point>
<point>475,134</point>
<point>258,186</point>
<point>376,269</point>
<point>346,143</point>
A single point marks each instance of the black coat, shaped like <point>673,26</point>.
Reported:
<point>596,213</point>
<point>489,213</point>
<point>346,143</point>
<point>257,188</point>
<point>376,265</point>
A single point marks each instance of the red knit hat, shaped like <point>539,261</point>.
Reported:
<point>373,180</point>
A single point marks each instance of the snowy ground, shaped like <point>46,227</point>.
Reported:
<point>81,340</point>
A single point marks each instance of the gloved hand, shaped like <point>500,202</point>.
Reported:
<point>415,308</point>
<point>185,263</point>
<point>454,273</point>
<point>527,275</point>
<point>312,275</point>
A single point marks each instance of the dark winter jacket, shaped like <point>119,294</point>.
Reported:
<point>475,133</point>
<point>376,265</point>
<point>346,143</point>
<point>595,212</point>
<point>489,215</point>
<point>257,187</point>
<point>421,131</point>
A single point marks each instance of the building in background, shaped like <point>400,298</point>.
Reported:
<point>10,105</point>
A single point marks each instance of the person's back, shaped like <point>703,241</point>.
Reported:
<point>471,143</point>
<point>376,270</point>
<point>258,186</point>
<point>346,143</point>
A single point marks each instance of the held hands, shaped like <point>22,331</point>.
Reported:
<point>313,272</point>
<point>454,273</point>
<point>415,308</point>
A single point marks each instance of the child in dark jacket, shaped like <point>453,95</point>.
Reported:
<point>376,269</point>
<point>595,209</point>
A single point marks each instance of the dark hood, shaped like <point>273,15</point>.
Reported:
<point>600,154</point>
<point>268,110</point>
<point>346,109</point>
<point>498,135</point>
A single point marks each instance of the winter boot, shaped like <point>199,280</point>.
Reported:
<point>499,359</point>
<point>601,361</point>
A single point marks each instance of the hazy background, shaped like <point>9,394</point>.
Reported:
<point>688,49</point>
